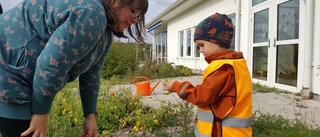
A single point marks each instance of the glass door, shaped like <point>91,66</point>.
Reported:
<point>286,42</point>
<point>261,41</point>
<point>276,42</point>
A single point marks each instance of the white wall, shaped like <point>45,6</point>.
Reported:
<point>245,30</point>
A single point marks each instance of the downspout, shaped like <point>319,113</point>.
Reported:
<point>238,24</point>
<point>307,75</point>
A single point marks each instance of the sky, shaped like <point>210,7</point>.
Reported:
<point>155,8</point>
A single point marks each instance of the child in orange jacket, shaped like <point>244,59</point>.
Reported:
<point>224,98</point>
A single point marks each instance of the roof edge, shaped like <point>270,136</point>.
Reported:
<point>165,12</point>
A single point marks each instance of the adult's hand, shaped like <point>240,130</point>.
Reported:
<point>90,128</point>
<point>38,126</point>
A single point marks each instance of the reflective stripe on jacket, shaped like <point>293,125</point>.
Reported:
<point>204,125</point>
<point>238,120</point>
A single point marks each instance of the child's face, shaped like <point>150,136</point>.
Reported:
<point>208,48</point>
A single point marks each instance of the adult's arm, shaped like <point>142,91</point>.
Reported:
<point>78,33</point>
<point>89,84</point>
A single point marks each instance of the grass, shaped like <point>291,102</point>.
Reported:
<point>265,89</point>
<point>270,125</point>
<point>267,125</point>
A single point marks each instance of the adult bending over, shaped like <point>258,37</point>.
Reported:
<point>45,44</point>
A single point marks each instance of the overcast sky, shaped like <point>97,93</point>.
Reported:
<point>155,8</point>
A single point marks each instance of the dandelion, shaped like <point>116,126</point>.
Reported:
<point>75,120</point>
<point>156,121</point>
<point>104,132</point>
<point>65,110</point>
<point>135,128</point>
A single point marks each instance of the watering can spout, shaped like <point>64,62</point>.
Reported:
<point>154,87</point>
<point>143,88</point>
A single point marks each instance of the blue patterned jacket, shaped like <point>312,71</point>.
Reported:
<point>43,45</point>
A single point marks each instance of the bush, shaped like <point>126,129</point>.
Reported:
<point>125,61</point>
<point>154,70</point>
<point>120,60</point>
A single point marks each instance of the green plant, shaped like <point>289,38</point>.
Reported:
<point>65,117</point>
<point>121,110</point>
<point>184,70</point>
<point>118,109</point>
<point>265,89</point>
<point>266,125</point>
<point>121,59</point>
<point>123,114</point>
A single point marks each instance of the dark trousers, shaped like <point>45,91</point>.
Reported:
<point>13,127</point>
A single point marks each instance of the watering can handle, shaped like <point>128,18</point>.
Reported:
<point>135,80</point>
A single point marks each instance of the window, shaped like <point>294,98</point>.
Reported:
<point>288,20</point>
<point>196,51</point>
<point>287,64</point>
<point>232,44</point>
<point>256,2</point>
<point>189,42</point>
<point>187,46</point>
<point>164,45</point>
<point>287,53</point>
<point>260,62</point>
<point>181,42</point>
<point>160,53</point>
<point>261,29</point>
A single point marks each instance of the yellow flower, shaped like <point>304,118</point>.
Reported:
<point>142,128</point>
<point>104,132</point>
<point>156,121</point>
<point>65,110</point>
<point>75,120</point>
<point>135,128</point>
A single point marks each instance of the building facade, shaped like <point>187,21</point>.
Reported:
<point>280,39</point>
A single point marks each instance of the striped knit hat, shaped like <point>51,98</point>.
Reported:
<point>217,28</point>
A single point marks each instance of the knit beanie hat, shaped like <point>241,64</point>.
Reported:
<point>217,28</point>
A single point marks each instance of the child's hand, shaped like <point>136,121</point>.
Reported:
<point>195,119</point>
<point>168,85</point>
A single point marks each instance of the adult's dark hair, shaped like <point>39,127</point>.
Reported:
<point>1,11</point>
<point>137,30</point>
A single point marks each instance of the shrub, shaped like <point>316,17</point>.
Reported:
<point>125,61</point>
<point>154,70</point>
<point>121,59</point>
